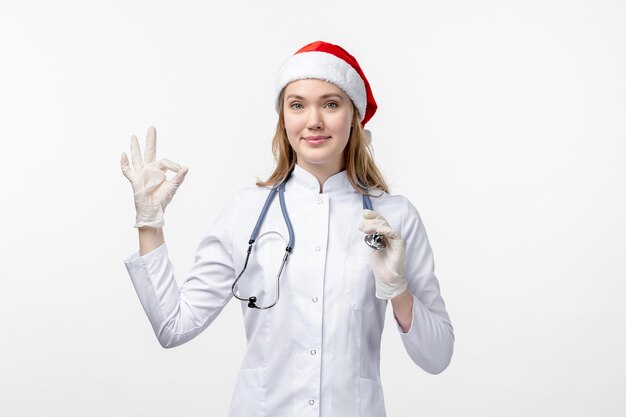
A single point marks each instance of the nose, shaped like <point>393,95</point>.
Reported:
<point>315,119</point>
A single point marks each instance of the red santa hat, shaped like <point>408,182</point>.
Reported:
<point>328,62</point>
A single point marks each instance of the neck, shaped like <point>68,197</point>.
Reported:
<point>322,171</point>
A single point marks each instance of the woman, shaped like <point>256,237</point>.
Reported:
<point>313,340</point>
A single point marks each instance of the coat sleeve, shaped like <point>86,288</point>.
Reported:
<point>176,314</point>
<point>430,338</point>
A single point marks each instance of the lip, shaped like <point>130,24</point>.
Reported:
<point>316,137</point>
<point>316,140</point>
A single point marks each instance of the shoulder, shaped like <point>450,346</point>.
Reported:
<point>397,202</point>
<point>397,207</point>
<point>251,192</point>
<point>247,197</point>
<point>239,203</point>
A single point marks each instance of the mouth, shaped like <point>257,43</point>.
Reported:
<point>314,140</point>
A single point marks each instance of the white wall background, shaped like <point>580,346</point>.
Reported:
<point>502,121</point>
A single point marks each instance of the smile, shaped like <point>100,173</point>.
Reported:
<point>315,140</point>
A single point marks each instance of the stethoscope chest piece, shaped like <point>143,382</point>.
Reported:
<point>375,241</point>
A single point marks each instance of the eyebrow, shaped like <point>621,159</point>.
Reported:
<point>322,97</point>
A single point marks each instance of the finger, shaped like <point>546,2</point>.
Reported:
<point>374,221</point>
<point>385,230</point>
<point>370,226</point>
<point>179,177</point>
<point>371,214</point>
<point>165,164</point>
<point>381,227</point>
<point>150,151</point>
<point>372,217</point>
<point>135,153</point>
<point>126,167</point>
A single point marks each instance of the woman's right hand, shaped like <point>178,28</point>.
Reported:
<point>152,190</point>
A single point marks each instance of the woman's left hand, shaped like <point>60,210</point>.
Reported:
<point>388,263</point>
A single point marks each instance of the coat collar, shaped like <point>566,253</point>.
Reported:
<point>304,180</point>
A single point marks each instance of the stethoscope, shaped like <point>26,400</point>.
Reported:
<point>375,240</point>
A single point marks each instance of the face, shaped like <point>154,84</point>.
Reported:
<point>318,117</point>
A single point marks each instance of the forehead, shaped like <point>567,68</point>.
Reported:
<point>313,88</point>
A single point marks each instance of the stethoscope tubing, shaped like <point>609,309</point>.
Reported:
<point>375,240</point>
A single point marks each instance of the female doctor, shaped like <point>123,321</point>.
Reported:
<point>313,269</point>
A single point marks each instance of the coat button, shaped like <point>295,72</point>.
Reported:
<point>314,299</point>
<point>317,248</point>
<point>320,200</point>
<point>311,402</point>
<point>313,352</point>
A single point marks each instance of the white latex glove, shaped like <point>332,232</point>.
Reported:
<point>152,190</point>
<point>388,263</point>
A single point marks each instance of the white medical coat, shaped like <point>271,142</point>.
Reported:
<point>317,351</point>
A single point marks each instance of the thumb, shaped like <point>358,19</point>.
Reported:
<point>370,214</point>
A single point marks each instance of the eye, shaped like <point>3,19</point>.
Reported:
<point>333,103</point>
<point>295,104</point>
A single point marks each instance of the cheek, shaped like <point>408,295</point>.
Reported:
<point>292,123</point>
<point>342,124</point>
<point>293,130</point>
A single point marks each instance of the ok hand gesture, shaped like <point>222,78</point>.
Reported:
<point>152,190</point>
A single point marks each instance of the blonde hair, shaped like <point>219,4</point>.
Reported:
<point>358,156</point>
